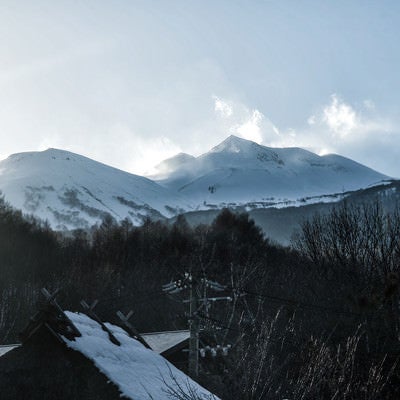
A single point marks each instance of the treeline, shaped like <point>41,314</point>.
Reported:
<point>317,320</point>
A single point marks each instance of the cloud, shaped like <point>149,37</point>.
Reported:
<point>340,117</point>
<point>140,154</point>
<point>311,120</point>
<point>345,123</point>
<point>369,104</point>
<point>150,152</point>
<point>222,108</point>
<point>340,120</point>
<point>238,119</point>
<point>251,129</point>
<point>336,125</point>
<point>357,132</point>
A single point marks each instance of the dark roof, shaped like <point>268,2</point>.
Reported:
<point>71,356</point>
<point>54,320</point>
<point>44,369</point>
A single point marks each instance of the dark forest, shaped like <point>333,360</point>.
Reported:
<point>316,320</point>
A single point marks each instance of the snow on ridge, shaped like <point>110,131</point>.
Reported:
<point>241,171</point>
<point>72,191</point>
<point>138,372</point>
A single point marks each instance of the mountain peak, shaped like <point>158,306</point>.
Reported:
<point>233,144</point>
<point>173,163</point>
<point>43,154</point>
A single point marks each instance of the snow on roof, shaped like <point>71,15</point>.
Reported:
<point>139,373</point>
<point>162,341</point>
<point>5,348</point>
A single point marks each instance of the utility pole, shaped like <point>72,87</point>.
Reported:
<point>194,328</point>
<point>196,304</point>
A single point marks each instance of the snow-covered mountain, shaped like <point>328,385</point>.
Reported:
<point>72,191</point>
<point>239,172</point>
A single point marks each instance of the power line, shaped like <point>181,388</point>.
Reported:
<point>281,300</point>
<point>131,295</point>
<point>290,302</point>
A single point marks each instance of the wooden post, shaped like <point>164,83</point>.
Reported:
<point>131,329</point>
<point>194,335</point>
<point>91,314</point>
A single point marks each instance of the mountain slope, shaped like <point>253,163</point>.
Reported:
<point>279,224</point>
<point>239,172</point>
<point>72,191</point>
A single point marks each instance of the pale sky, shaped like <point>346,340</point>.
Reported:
<point>130,83</point>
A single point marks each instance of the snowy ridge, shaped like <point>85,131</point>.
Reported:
<point>72,191</point>
<point>139,373</point>
<point>239,172</point>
